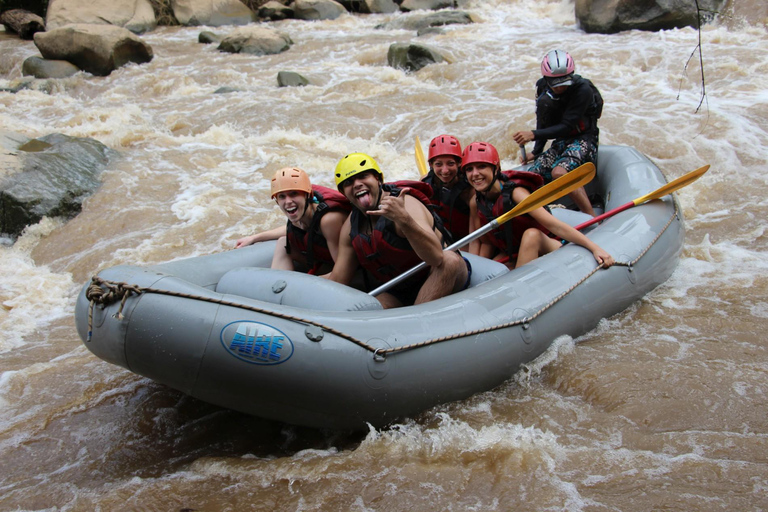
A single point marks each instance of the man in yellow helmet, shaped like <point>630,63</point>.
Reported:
<point>391,230</point>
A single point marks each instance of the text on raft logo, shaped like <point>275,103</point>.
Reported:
<point>256,343</point>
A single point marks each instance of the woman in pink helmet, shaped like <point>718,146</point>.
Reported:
<point>567,109</point>
<point>522,238</point>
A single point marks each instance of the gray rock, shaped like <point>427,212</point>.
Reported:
<point>256,41</point>
<point>437,19</point>
<point>97,49</point>
<point>226,90</point>
<point>208,37</point>
<point>426,5</point>
<point>213,13</point>
<point>412,57</point>
<point>58,173</point>
<point>317,9</point>
<point>429,31</point>
<point>378,6</point>
<point>291,79</point>
<point>22,22</point>
<point>45,68</point>
<point>138,16</point>
<point>275,11</point>
<point>611,16</point>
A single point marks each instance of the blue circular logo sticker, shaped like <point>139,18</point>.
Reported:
<point>256,343</point>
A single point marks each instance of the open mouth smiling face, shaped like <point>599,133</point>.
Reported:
<point>361,190</point>
<point>292,203</point>
<point>479,175</point>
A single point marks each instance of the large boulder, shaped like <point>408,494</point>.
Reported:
<point>135,15</point>
<point>412,57</point>
<point>97,49</point>
<point>44,68</point>
<point>317,9</point>
<point>51,176</point>
<point>256,41</point>
<point>611,16</point>
<point>213,13</point>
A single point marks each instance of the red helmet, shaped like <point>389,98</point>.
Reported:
<point>444,145</point>
<point>480,152</point>
<point>557,63</point>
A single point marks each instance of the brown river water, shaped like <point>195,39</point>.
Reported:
<point>662,407</point>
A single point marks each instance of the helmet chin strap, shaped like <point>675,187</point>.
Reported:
<point>496,172</point>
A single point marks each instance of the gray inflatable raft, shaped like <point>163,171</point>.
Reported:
<point>292,347</point>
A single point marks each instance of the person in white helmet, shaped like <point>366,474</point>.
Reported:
<point>567,109</point>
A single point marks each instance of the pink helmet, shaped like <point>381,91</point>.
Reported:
<point>480,152</point>
<point>557,63</point>
<point>443,145</point>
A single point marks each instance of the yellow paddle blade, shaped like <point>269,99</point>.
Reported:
<point>550,192</point>
<point>673,185</point>
<point>421,162</point>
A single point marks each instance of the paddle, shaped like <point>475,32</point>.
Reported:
<point>421,162</point>
<point>670,187</point>
<point>541,197</point>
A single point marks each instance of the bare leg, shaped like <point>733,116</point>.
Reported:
<point>578,196</point>
<point>281,260</point>
<point>445,279</point>
<point>388,300</point>
<point>534,244</point>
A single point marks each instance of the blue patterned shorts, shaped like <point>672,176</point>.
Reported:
<point>568,154</point>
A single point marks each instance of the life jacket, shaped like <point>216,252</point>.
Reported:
<point>449,206</point>
<point>507,237</point>
<point>550,107</point>
<point>310,246</point>
<point>383,253</point>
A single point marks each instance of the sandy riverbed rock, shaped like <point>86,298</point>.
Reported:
<point>135,15</point>
<point>213,13</point>
<point>97,49</point>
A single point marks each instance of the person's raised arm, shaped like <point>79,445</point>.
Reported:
<point>413,221</point>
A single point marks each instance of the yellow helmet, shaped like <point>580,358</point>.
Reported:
<point>354,164</point>
<point>290,178</point>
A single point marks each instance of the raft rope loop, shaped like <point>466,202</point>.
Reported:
<point>97,294</point>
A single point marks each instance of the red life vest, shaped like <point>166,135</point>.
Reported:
<point>385,254</point>
<point>450,207</point>
<point>507,237</point>
<point>313,250</point>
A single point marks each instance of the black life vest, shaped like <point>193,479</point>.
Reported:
<point>383,253</point>
<point>310,247</point>
<point>507,237</point>
<point>449,205</point>
<point>550,107</point>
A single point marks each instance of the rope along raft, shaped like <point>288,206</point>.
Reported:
<point>104,293</point>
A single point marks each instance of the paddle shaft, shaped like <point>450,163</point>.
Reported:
<point>541,197</point>
<point>669,188</point>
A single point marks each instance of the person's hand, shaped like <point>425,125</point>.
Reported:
<point>248,240</point>
<point>393,207</point>
<point>523,137</point>
<point>603,257</point>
